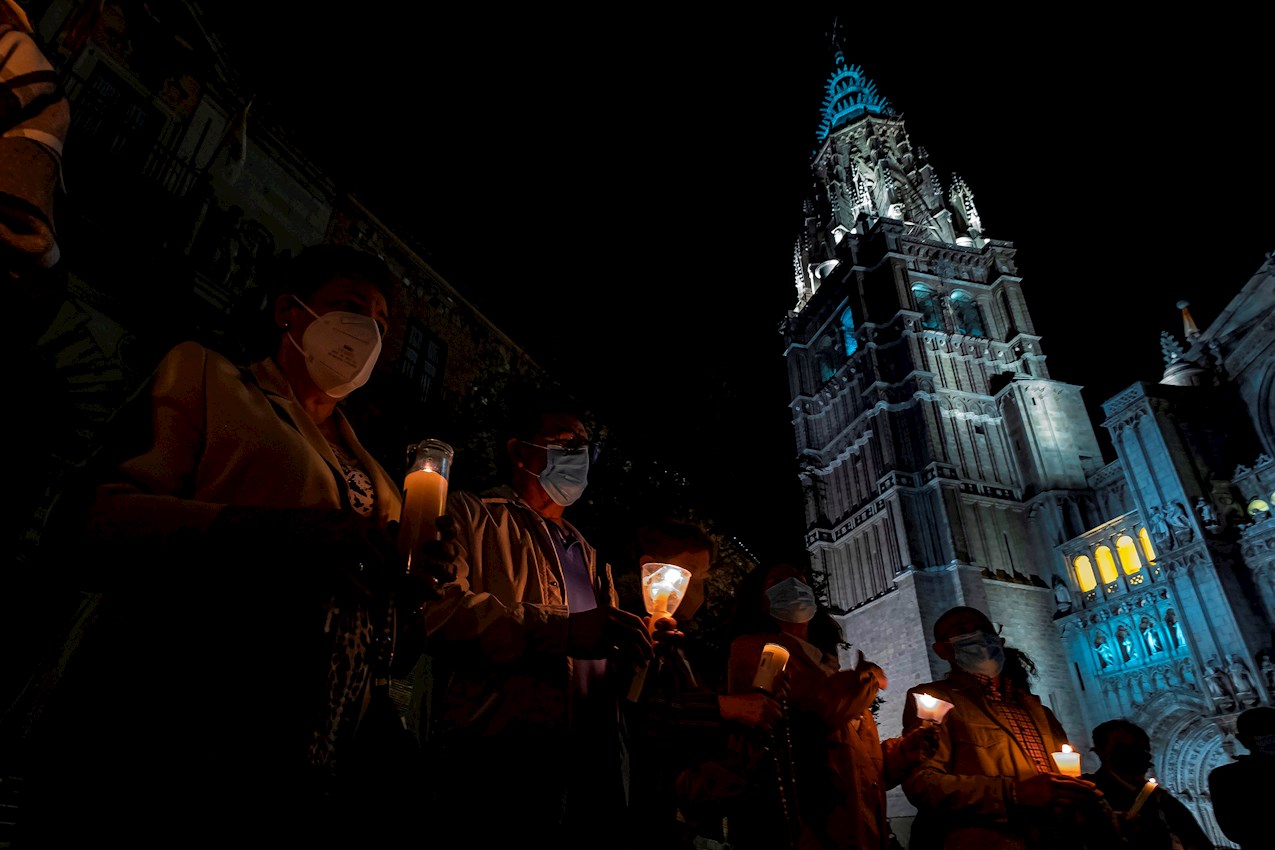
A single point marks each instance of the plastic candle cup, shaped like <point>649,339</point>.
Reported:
<point>774,658</point>
<point>1067,761</point>
<point>931,710</point>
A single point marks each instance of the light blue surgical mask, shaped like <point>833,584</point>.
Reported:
<point>566,473</point>
<point>979,653</point>
<point>792,601</point>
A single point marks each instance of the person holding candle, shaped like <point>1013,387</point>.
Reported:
<point>531,654</point>
<point>240,539</point>
<point>991,781</point>
<point>681,724</point>
<point>820,779</point>
<point>1150,818</point>
<point>1240,790</point>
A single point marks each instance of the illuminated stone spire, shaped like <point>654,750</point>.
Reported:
<point>1188,323</point>
<point>848,94</point>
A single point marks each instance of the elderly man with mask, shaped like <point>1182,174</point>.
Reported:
<point>990,783</point>
<point>531,654</point>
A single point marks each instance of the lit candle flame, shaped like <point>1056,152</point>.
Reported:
<point>931,709</point>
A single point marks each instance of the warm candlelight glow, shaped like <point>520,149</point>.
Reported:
<point>931,709</point>
<point>663,586</point>
<point>1068,761</point>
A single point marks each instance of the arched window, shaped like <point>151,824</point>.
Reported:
<point>1106,564</point>
<point>826,357</point>
<point>927,305</point>
<point>847,332</point>
<point>1084,573</point>
<point>1146,545</point>
<point>969,320</point>
<point>1011,327</point>
<point>1128,553</point>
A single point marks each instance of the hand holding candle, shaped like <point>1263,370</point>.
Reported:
<point>1067,761</point>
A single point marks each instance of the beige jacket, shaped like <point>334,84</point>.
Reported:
<point>225,435</point>
<point>501,628</point>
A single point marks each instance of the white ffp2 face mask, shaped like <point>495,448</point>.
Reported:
<point>340,350</point>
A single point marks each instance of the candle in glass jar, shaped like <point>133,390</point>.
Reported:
<point>1068,761</point>
<point>426,498</point>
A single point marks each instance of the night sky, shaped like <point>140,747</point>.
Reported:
<point>621,193</point>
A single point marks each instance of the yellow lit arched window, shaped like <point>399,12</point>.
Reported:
<point>1106,564</point>
<point>1084,573</point>
<point>1146,545</point>
<point>1128,553</point>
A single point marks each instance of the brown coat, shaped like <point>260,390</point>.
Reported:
<point>842,788</point>
<point>964,792</point>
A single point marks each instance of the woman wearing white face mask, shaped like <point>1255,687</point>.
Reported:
<point>821,782</point>
<point>247,567</point>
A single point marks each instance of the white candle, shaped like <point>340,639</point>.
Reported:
<point>1068,761</point>
<point>1142,798</point>
<point>426,498</point>
<point>774,658</point>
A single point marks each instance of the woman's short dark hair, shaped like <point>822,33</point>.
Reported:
<point>309,270</point>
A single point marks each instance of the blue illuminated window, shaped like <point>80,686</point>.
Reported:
<point>927,305</point>
<point>847,332</point>
<point>969,320</point>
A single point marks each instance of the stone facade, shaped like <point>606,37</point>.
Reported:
<point>943,466</point>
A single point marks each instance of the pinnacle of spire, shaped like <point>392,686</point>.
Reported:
<point>1189,328</point>
<point>848,95</point>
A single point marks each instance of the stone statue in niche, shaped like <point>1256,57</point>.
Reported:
<point>1127,648</point>
<point>1180,529</point>
<point>1106,658</point>
<point>1174,629</point>
<point>1208,516</point>
<point>1062,598</point>
<point>1245,689</point>
<point>1150,640</point>
<point>1159,526</point>
<point>1268,671</point>
<point>1220,684</point>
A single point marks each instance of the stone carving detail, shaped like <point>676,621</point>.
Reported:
<point>1062,598</point>
<point>1170,526</point>
<point>1218,681</point>
<point>1242,679</point>
<point>1106,656</point>
<point>1268,670</point>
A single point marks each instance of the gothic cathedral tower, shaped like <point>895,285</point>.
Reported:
<point>941,463</point>
<point>943,466</point>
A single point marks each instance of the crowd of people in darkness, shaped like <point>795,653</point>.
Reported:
<point>252,604</point>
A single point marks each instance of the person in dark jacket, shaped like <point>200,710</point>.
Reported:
<point>1241,790</point>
